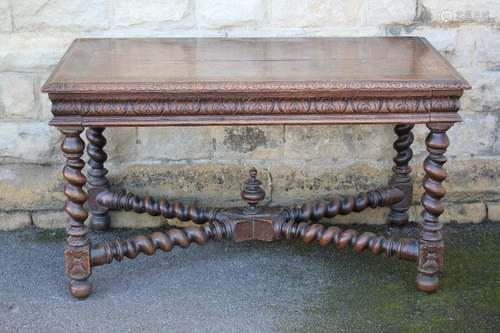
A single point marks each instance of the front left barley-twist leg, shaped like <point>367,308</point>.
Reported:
<point>431,245</point>
<point>97,181</point>
<point>77,251</point>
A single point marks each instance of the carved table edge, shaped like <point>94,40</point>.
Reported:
<point>273,86</point>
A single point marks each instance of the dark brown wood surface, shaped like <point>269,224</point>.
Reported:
<point>209,81</point>
<point>102,83</point>
<point>249,64</point>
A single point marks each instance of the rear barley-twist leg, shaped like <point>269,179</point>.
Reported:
<point>431,245</point>
<point>77,251</point>
<point>97,181</point>
<point>401,174</point>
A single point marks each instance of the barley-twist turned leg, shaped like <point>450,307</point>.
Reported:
<point>431,245</point>
<point>97,181</point>
<point>77,251</point>
<point>401,174</point>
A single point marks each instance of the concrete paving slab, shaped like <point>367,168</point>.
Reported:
<point>250,287</point>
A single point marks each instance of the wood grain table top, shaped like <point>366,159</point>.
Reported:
<point>245,65</point>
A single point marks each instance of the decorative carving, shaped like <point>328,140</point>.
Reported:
<point>78,262</point>
<point>252,193</point>
<point>430,257</point>
<point>401,178</point>
<point>329,105</point>
<point>430,239</point>
<point>104,253</point>
<point>369,105</point>
<point>343,205</point>
<point>78,247</point>
<point>97,177</point>
<point>110,106</point>
<point>175,209</point>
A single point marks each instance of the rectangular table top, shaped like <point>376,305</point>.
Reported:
<point>191,81</point>
<point>252,64</point>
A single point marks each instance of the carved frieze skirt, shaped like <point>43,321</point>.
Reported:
<point>116,105</point>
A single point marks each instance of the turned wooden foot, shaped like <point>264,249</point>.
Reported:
<point>401,177</point>
<point>77,251</point>
<point>80,289</point>
<point>427,283</point>
<point>97,181</point>
<point>431,245</point>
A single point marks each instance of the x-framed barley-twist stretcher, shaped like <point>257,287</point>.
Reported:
<point>103,83</point>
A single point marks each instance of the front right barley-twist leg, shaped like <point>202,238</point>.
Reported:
<point>77,251</point>
<point>431,245</point>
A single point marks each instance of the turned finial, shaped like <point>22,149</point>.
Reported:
<point>252,193</point>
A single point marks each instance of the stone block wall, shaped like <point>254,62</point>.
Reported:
<point>209,164</point>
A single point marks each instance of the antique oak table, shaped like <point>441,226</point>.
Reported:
<point>103,83</point>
